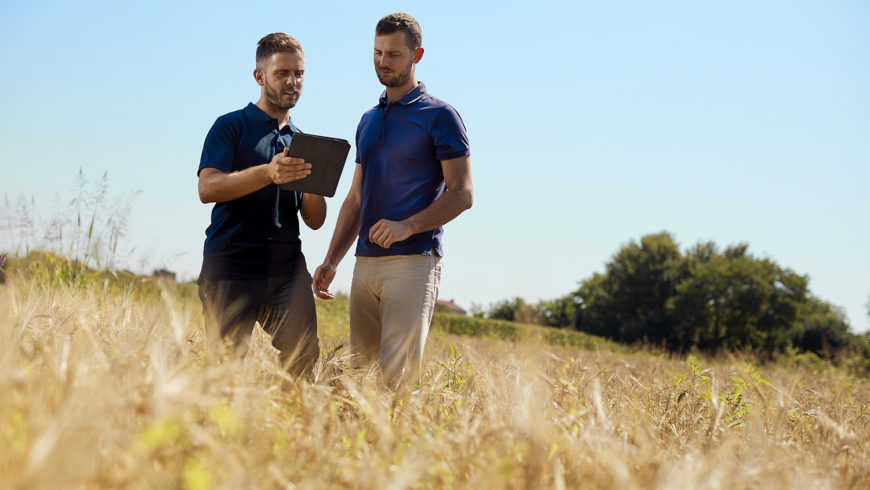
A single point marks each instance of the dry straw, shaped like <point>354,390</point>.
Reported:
<point>114,390</point>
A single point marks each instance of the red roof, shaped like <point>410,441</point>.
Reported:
<point>450,305</point>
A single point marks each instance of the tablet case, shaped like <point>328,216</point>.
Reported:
<point>326,156</point>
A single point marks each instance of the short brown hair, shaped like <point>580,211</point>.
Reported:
<point>277,42</point>
<point>401,21</point>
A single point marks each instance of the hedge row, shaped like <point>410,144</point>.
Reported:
<point>514,332</point>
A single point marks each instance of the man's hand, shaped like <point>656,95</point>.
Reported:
<point>385,232</point>
<point>323,276</point>
<point>283,169</point>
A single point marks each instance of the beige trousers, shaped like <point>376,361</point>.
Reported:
<point>391,304</point>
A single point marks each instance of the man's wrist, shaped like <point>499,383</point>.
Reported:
<point>412,225</point>
<point>329,264</point>
<point>265,175</point>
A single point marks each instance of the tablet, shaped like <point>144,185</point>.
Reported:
<point>326,156</point>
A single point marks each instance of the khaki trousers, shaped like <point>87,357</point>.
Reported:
<point>391,304</point>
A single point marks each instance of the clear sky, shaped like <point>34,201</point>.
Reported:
<point>591,124</point>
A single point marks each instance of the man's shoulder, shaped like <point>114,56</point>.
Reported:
<point>368,114</point>
<point>430,100</point>
<point>233,117</point>
<point>439,112</point>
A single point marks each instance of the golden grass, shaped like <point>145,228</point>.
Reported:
<point>106,391</point>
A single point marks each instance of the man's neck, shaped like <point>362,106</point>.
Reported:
<point>282,116</point>
<point>396,93</point>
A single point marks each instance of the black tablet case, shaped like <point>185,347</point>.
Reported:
<point>326,156</point>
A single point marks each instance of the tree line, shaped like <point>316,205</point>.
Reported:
<point>708,298</point>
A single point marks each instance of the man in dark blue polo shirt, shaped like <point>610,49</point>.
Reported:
<point>413,175</point>
<point>253,268</point>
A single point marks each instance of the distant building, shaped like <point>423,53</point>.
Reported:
<point>450,306</point>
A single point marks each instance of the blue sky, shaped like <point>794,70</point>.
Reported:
<point>591,124</point>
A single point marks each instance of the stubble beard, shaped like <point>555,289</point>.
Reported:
<point>273,99</point>
<point>398,80</point>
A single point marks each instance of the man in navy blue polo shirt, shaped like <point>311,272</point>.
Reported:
<point>253,268</point>
<point>413,175</point>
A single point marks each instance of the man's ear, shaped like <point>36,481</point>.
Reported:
<point>418,54</point>
<point>259,76</point>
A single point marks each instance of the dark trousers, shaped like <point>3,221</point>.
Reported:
<point>283,304</point>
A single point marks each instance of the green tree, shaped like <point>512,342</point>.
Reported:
<point>822,329</point>
<point>560,312</point>
<point>476,310</point>
<point>627,302</point>
<point>707,298</point>
<point>516,310</point>
<point>502,310</point>
<point>733,300</point>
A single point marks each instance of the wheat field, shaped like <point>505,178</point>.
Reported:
<point>106,389</point>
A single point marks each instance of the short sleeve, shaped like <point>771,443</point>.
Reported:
<point>449,135</point>
<point>219,148</point>
<point>356,140</point>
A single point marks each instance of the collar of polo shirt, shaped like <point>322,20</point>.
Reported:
<point>409,98</point>
<point>265,118</point>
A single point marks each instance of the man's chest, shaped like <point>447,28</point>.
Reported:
<point>391,138</point>
<point>258,148</point>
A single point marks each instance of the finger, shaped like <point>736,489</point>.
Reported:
<point>323,277</point>
<point>380,236</point>
<point>298,174</point>
<point>294,163</point>
<point>320,283</point>
<point>379,228</point>
<point>294,176</point>
<point>279,157</point>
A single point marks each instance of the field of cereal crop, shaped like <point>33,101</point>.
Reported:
<point>109,387</point>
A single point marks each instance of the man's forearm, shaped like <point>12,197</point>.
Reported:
<point>443,210</point>
<point>457,198</point>
<point>218,186</point>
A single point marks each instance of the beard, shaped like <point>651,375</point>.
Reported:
<point>395,79</point>
<point>274,98</point>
